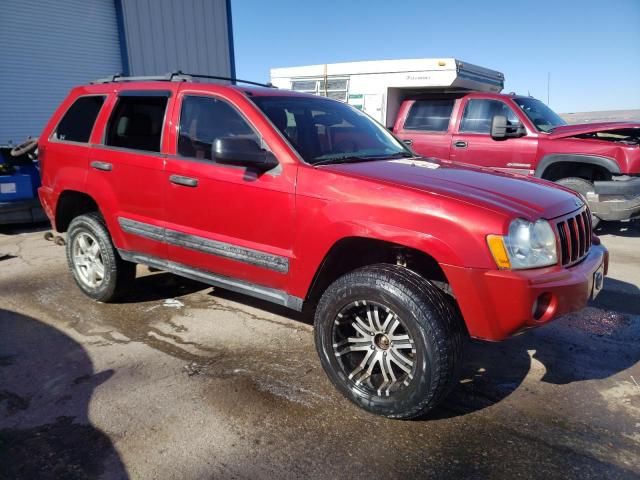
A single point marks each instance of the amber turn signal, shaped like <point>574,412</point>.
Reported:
<point>498,250</point>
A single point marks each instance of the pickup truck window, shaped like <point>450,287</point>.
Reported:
<point>540,115</point>
<point>77,123</point>
<point>202,120</point>
<point>479,113</point>
<point>324,131</point>
<point>429,115</point>
<point>136,123</point>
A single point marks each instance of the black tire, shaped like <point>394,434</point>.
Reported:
<point>117,275</point>
<point>427,316</point>
<point>582,186</point>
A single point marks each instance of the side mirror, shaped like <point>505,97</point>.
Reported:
<point>242,151</point>
<point>501,130</point>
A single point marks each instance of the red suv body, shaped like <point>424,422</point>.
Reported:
<point>279,195</point>
<point>599,160</point>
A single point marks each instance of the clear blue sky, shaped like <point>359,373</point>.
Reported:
<point>591,47</point>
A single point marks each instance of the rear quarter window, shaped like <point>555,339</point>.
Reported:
<point>77,123</point>
<point>430,115</point>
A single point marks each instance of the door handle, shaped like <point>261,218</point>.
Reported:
<point>460,144</point>
<point>105,166</point>
<point>408,142</point>
<point>184,181</point>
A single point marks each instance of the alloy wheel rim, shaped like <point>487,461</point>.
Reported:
<point>87,260</point>
<point>373,348</point>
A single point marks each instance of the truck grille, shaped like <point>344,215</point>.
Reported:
<point>574,232</point>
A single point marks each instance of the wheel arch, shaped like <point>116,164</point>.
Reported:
<point>353,252</point>
<point>70,204</point>
<point>550,167</point>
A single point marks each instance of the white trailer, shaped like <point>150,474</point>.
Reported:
<point>379,87</point>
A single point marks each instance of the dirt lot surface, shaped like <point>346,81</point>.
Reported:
<point>186,382</point>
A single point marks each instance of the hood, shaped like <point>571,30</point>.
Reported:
<point>585,128</point>
<point>506,193</point>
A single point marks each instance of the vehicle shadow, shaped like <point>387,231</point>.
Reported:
<point>46,383</point>
<point>160,286</point>
<point>629,228</point>
<point>595,343</point>
<point>18,228</point>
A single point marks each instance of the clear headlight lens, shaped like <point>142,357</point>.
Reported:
<point>527,245</point>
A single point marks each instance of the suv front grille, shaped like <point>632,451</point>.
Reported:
<point>574,232</point>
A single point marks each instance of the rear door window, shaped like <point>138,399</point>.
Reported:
<point>77,123</point>
<point>203,119</point>
<point>479,113</point>
<point>136,122</point>
<point>430,115</point>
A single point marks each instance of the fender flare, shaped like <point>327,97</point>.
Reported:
<point>548,160</point>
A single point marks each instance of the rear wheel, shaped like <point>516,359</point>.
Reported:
<point>94,262</point>
<point>583,187</point>
<point>389,340</point>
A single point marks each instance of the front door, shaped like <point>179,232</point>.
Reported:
<point>472,142</point>
<point>229,220</point>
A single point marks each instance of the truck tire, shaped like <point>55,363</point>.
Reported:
<point>389,340</point>
<point>94,262</point>
<point>582,186</point>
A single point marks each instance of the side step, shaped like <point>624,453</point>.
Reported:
<point>273,295</point>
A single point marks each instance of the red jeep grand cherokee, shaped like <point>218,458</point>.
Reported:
<point>302,200</point>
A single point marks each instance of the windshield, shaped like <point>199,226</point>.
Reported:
<point>326,131</point>
<point>540,115</point>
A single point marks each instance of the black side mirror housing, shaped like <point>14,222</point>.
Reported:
<point>500,129</point>
<point>242,151</point>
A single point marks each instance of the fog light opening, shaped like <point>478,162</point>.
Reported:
<point>541,306</point>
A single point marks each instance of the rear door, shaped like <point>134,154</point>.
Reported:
<point>425,127</point>
<point>226,219</point>
<point>127,170</point>
<point>472,142</point>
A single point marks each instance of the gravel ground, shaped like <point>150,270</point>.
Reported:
<point>187,382</point>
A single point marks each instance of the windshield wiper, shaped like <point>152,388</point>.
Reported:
<point>356,158</point>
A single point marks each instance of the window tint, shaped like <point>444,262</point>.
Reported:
<point>77,123</point>
<point>136,123</point>
<point>479,113</point>
<point>202,120</point>
<point>430,115</point>
<point>322,130</point>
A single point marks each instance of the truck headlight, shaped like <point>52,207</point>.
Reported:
<point>527,245</point>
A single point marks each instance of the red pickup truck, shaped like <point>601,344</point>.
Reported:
<point>520,134</point>
<point>307,202</point>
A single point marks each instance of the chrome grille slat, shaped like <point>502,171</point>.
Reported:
<point>574,233</point>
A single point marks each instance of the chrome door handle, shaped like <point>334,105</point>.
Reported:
<point>105,166</point>
<point>408,142</point>
<point>460,144</point>
<point>184,181</point>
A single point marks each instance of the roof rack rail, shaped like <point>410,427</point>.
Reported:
<point>176,76</point>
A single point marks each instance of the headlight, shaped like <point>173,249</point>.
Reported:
<point>527,245</point>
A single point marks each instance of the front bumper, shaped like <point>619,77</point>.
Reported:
<point>616,199</point>
<point>23,211</point>
<point>496,304</point>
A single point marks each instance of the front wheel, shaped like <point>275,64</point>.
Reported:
<point>95,263</point>
<point>583,187</point>
<point>389,340</point>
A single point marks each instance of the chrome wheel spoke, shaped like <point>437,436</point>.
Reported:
<point>373,348</point>
<point>387,321</point>
<point>361,365</point>
<point>364,328</point>
<point>358,328</point>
